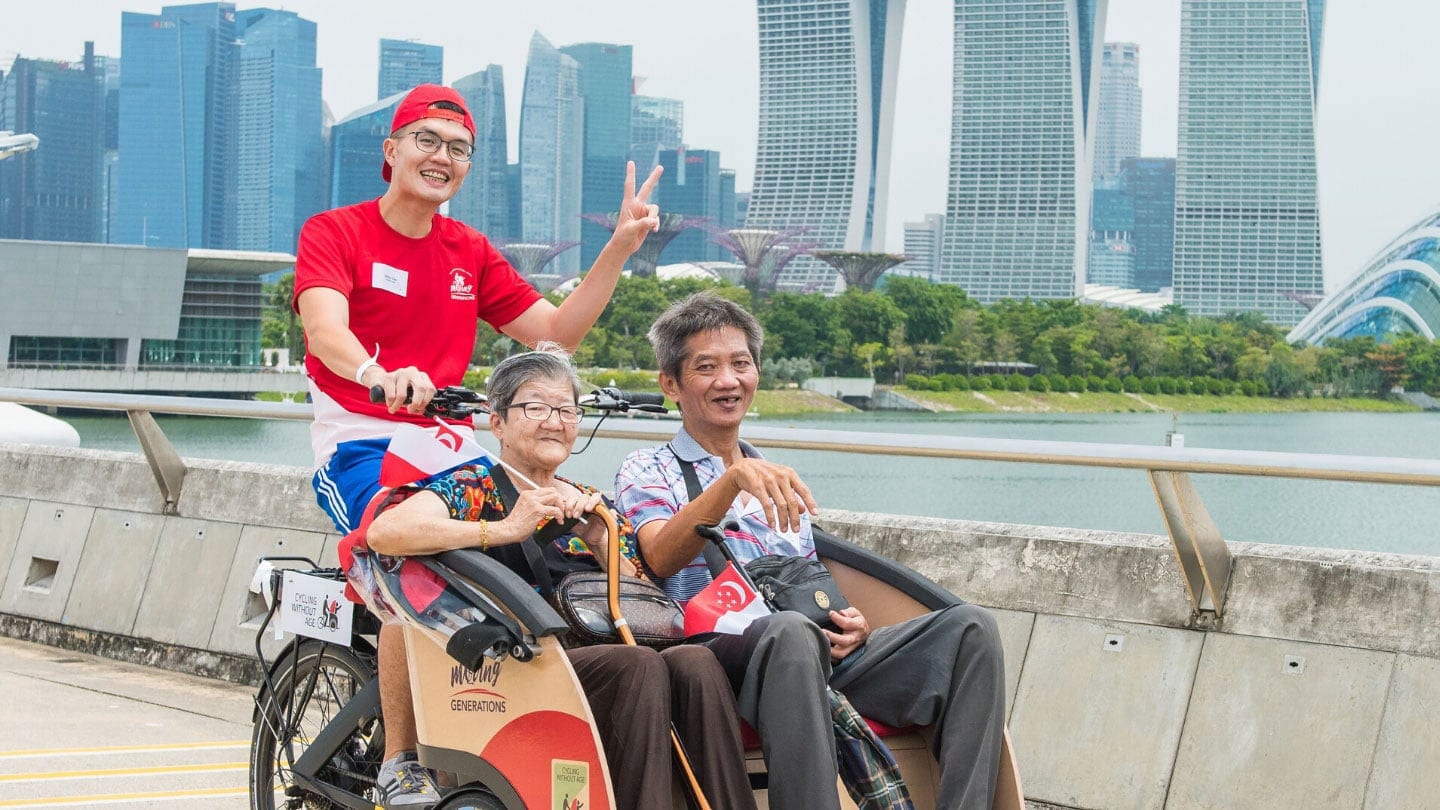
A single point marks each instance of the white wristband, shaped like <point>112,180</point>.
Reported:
<point>365,366</point>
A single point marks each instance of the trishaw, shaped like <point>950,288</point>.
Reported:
<point>501,717</point>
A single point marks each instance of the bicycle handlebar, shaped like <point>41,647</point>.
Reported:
<point>458,402</point>
<point>453,401</point>
<point>613,399</point>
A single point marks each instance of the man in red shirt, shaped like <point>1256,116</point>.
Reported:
<point>391,294</point>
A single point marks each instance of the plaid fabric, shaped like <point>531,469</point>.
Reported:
<point>869,771</point>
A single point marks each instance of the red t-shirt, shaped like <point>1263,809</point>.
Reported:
<point>418,299</point>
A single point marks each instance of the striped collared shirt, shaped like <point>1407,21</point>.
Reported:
<point>651,486</point>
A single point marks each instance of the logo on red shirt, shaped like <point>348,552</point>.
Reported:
<point>462,285</point>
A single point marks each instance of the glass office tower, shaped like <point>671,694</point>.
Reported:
<point>605,80</point>
<point>177,138</point>
<point>692,185</point>
<point>482,200</point>
<point>1150,184</point>
<point>404,64</point>
<point>281,165</point>
<point>356,154</point>
<point>1117,122</point>
<point>56,192</point>
<point>552,137</point>
<point>655,124</point>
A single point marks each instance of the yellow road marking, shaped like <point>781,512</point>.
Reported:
<point>107,772</point>
<point>123,749</point>
<point>110,798</point>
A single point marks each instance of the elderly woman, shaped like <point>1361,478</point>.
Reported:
<point>633,691</point>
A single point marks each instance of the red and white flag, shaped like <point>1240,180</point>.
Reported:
<point>416,452</point>
<point>727,605</point>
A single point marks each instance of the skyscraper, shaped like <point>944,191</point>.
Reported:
<point>605,80</point>
<point>110,171</point>
<point>281,165</point>
<point>1150,185</point>
<point>922,245</point>
<point>552,135</point>
<point>482,202</point>
<point>178,104</point>
<point>1117,124</point>
<point>1018,205</point>
<point>655,124</point>
<point>827,100</point>
<point>1247,223</point>
<point>404,64</point>
<point>691,185</point>
<point>56,192</point>
<point>1112,253</point>
<point>356,154</point>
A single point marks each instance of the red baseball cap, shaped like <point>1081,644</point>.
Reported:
<point>419,104</point>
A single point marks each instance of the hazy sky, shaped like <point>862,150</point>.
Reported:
<point>1377,128</point>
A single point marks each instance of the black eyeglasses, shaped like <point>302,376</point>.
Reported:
<point>430,142</point>
<point>540,411</point>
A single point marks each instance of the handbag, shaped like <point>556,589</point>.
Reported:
<point>654,618</point>
<point>582,597</point>
<point>786,583</point>
<point>799,584</point>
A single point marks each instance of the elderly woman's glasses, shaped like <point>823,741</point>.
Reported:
<point>540,411</point>
<point>430,142</point>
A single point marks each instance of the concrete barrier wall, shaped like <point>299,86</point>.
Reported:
<point>1317,689</point>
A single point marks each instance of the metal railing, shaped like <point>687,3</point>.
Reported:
<point>1201,551</point>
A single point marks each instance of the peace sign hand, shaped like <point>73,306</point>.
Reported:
<point>638,217</point>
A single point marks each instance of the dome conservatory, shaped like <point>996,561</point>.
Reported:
<point>1397,293</point>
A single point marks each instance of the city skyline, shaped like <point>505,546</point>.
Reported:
<point>1376,59</point>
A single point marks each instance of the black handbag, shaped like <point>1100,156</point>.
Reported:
<point>582,599</point>
<point>786,582</point>
<point>799,584</point>
<point>654,618</point>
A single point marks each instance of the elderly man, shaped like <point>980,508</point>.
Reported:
<point>944,669</point>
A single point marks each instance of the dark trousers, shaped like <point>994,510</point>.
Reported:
<point>944,669</point>
<point>633,693</point>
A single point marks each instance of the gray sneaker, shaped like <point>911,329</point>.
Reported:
<point>405,783</point>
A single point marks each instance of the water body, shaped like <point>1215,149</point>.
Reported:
<point>1309,513</point>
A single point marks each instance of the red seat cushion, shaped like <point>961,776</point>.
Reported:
<point>751,739</point>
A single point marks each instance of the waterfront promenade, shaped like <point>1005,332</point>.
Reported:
<point>1142,671</point>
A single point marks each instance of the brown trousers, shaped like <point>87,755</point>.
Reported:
<point>634,692</point>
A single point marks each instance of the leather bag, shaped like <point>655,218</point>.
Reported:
<point>654,618</point>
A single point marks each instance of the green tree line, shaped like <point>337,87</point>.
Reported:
<point>930,335</point>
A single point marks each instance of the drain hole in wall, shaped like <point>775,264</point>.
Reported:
<point>41,576</point>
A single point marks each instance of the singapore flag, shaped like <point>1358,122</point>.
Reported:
<point>415,453</point>
<point>727,605</point>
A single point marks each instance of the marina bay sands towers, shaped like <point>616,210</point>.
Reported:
<point>1247,223</point>
<point>1024,117</point>
<point>1018,202</point>
<point>827,104</point>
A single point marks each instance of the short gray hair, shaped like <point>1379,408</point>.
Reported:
<point>547,362</point>
<point>702,312</point>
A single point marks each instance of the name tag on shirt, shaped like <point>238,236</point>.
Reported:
<point>390,279</point>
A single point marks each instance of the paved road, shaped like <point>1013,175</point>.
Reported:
<point>83,731</point>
